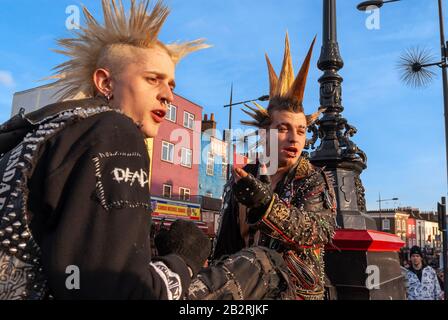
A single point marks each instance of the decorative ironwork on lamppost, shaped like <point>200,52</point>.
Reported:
<point>337,152</point>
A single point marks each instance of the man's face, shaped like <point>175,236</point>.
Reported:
<point>291,136</point>
<point>143,88</point>
<point>416,259</point>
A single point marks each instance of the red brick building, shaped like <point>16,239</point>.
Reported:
<point>176,152</point>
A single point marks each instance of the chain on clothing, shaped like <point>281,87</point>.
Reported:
<point>21,273</point>
<point>299,223</point>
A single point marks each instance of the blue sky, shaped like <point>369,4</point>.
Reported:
<point>400,129</point>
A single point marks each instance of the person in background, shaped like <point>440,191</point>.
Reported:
<point>406,264</point>
<point>423,283</point>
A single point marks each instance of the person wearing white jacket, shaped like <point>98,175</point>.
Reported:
<point>422,279</point>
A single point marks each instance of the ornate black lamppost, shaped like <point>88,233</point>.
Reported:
<point>416,65</point>
<point>364,263</point>
<point>337,152</point>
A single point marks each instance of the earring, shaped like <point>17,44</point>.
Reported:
<point>108,96</point>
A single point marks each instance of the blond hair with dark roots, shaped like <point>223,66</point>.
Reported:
<point>113,43</point>
<point>285,91</point>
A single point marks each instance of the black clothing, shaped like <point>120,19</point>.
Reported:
<point>298,223</point>
<point>252,274</point>
<point>185,239</point>
<point>76,191</point>
<point>90,207</point>
<point>418,273</point>
<point>416,250</point>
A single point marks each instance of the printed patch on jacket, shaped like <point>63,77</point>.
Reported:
<point>170,279</point>
<point>122,180</point>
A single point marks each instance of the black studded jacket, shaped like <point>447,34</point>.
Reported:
<point>88,211</point>
<point>299,222</point>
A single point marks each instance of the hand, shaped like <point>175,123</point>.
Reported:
<point>185,239</point>
<point>250,191</point>
<point>239,173</point>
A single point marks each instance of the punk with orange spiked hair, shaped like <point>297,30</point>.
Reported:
<point>290,208</point>
<point>285,91</point>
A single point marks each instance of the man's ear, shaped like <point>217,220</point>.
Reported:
<point>103,82</point>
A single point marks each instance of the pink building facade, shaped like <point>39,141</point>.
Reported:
<point>177,151</point>
<point>411,235</point>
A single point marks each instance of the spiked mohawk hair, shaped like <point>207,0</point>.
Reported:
<point>137,29</point>
<point>286,92</point>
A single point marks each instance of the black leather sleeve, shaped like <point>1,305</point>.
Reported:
<point>228,238</point>
<point>252,274</point>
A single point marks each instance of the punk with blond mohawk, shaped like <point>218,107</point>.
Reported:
<point>285,91</point>
<point>92,44</point>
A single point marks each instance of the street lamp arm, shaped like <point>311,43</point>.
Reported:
<point>238,103</point>
<point>382,200</point>
<point>363,6</point>
<point>262,98</point>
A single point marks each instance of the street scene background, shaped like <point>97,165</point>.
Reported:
<point>400,128</point>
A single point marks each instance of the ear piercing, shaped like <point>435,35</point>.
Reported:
<point>109,96</point>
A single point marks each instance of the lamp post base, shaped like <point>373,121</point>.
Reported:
<point>364,265</point>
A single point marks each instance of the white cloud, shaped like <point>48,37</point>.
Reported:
<point>6,79</point>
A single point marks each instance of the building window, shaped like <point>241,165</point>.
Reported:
<point>167,189</point>
<point>188,120</point>
<point>224,167</point>
<point>184,194</point>
<point>210,164</point>
<point>398,225</point>
<point>167,151</point>
<point>186,155</point>
<point>171,113</point>
<point>403,225</point>
<point>386,224</point>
